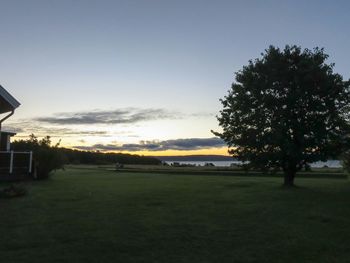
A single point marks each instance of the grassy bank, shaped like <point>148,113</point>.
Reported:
<point>225,171</point>
<point>94,215</point>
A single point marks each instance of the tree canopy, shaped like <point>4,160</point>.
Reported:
<point>285,110</point>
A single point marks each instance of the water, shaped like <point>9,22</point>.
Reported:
<point>329,163</point>
<point>202,163</point>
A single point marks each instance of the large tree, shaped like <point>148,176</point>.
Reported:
<point>285,110</point>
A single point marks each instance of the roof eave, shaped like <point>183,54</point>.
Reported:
<point>9,98</point>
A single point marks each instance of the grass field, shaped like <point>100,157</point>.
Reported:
<point>92,215</point>
<point>225,171</point>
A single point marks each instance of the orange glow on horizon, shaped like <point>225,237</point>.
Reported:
<point>212,151</point>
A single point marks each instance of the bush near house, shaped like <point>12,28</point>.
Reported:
<point>46,157</point>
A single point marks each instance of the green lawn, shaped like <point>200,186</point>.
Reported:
<point>91,215</point>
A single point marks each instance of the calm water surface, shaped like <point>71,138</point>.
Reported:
<point>329,163</point>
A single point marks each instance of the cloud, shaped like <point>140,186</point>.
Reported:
<point>118,116</point>
<point>26,128</point>
<point>178,144</point>
<point>93,123</point>
<point>202,114</point>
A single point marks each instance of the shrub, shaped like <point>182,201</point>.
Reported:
<point>46,158</point>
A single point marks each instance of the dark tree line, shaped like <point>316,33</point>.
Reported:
<point>88,157</point>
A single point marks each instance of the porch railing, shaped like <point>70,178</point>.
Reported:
<point>12,162</point>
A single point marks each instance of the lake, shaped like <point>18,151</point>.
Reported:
<point>329,163</point>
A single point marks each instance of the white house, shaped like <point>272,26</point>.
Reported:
<point>13,165</point>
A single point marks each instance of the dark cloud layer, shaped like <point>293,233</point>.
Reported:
<point>40,130</point>
<point>178,144</point>
<point>118,116</point>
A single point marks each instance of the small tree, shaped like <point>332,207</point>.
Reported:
<point>285,110</point>
<point>46,157</point>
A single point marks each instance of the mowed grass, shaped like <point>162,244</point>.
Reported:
<point>91,215</point>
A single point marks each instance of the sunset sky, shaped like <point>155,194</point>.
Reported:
<point>146,76</point>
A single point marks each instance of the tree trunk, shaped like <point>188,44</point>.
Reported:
<point>289,177</point>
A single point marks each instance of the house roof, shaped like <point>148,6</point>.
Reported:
<point>7,101</point>
<point>8,133</point>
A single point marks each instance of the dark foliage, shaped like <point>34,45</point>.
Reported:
<point>345,157</point>
<point>88,157</point>
<point>46,158</point>
<point>285,110</point>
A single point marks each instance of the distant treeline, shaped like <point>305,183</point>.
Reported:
<point>44,152</point>
<point>87,157</point>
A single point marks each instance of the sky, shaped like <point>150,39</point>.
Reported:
<point>146,76</point>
